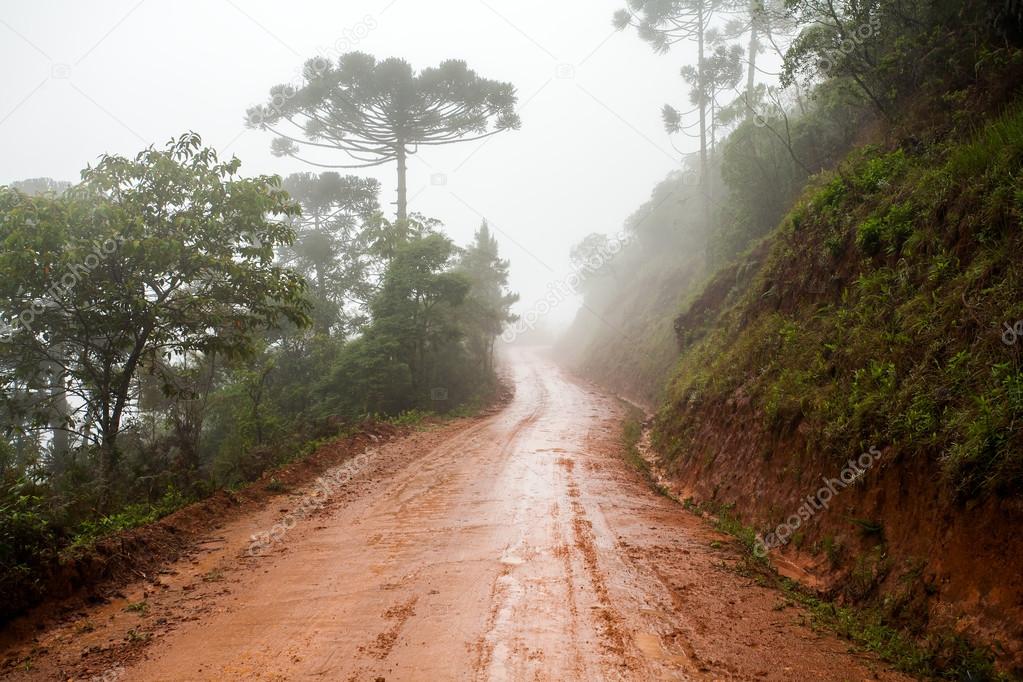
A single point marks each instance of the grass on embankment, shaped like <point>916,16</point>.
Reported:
<point>883,310</point>
<point>632,433</point>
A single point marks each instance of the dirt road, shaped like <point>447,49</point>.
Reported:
<point>515,547</point>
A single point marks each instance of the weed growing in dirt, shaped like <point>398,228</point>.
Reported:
<point>139,607</point>
<point>945,657</point>
<point>136,636</point>
<point>85,627</point>
<point>726,521</point>
<point>131,516</point>
<point>275,486</point>
<point>214,576</point>
<point>632,433</point>
<point>409,418</point>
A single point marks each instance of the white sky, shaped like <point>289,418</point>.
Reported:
<point>86,78</point>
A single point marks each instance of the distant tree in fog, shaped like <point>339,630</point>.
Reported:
<point>331,248</point>
<point>378,112</point>
<point>38,186</point>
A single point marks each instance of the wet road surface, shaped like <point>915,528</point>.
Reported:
<point>519,546</point>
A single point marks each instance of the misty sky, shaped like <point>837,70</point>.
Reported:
<point>86,78</point>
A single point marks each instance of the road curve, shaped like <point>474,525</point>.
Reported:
<point>518,547</point>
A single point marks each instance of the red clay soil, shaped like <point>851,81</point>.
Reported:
<point>893,535</point>
<point>519,545</point>
<point>99,573</point>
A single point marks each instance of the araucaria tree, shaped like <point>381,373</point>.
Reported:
<point>662,24</point>
<point>331,248</point>
<point>379,112</point>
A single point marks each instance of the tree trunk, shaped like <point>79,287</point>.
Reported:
<point>60,410</point>
<point>402,186</point>
<point>703,98</point>
<point>107,467</point>
<point>756,8</point>
<point>701,88</point>
<point>713,123</point>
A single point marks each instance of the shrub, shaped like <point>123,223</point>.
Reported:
<point>27,544</point>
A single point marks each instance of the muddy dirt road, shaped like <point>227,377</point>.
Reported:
<point>519,546</point>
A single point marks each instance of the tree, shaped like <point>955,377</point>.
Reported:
<point>331,248</point>
<point>841,39</point>
<point>663,23</point>
<point>722,70</point>
<point>766,23</point>
<point>379,112</point>
<point>413,317</point>
<point>148,260</point>
<point>591,257</point>
<point>40,186</point>
<point>60,409</point>
<point>488,304</point>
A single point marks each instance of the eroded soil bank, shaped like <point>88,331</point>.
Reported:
<point>891,539</point>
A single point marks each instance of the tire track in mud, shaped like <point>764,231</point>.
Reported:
<point>619,652</point>
<point>505,591</point>
<point>380,646</point>
<point>564,552</point>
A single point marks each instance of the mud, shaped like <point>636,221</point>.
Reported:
<point>518,546</point>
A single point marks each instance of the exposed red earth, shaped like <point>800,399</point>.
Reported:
<point>518,545</point>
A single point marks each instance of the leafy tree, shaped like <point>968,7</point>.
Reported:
<point>488,304</point>
<point>592,257</point>
<point>331,248</point>
<point>379,112</point>
<point>841,39</point>
<point>59,444</point>
<point>663,23</point>
<point>150,259</point>
<point>885,51</point>
<point>414,316</point>
<point>37,186</point>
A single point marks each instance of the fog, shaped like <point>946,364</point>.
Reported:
<point>119,76</point>
<point>473,339</point>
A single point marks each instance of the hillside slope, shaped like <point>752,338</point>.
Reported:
<point>869,347</point>
<point>630,346</point>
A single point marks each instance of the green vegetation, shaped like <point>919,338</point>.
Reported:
<point>172,328</point>
<point>945,657</point>
<point>632,433</point>
<point>887,358</point>
<point>728,522</point>
<point>140,607</point>
<point>128,517</point>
